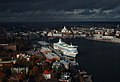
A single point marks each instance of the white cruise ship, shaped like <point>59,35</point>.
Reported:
<point>68,50</point>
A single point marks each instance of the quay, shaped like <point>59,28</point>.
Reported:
<point>72,72</point>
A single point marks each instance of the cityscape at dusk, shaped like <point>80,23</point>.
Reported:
<point>59,40</point>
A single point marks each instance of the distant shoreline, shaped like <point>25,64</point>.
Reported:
<point>101,40</point>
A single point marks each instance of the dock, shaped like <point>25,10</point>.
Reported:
<point>75,75</point>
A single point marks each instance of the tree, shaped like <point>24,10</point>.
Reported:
<point>35,71</point>
<point>2,75</point>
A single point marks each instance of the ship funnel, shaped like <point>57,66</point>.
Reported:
<point>71,44</point>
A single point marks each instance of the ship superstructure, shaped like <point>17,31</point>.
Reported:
<point>68,50</point>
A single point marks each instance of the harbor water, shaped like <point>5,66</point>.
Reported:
<point>100,59</point>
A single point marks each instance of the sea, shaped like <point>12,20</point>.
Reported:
<point>100,59</point>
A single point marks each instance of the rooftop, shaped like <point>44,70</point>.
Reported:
<point>51,80</point>
<point>43,43</point>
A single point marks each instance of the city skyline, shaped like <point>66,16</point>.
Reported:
<point>59,10</point>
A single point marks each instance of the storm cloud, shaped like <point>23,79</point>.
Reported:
<point>59,10</point>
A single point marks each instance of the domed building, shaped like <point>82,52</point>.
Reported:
<point>64,30</point>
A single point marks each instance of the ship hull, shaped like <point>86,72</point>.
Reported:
<point>67,50</point>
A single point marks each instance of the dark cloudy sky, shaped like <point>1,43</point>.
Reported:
<point>59,10</point>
